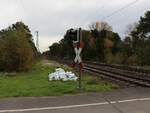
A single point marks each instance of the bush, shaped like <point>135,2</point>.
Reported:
<point>120,58</point>
<point>109,57</point>
<point>132,60</point>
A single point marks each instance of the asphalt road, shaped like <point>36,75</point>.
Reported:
<point>129,100</point>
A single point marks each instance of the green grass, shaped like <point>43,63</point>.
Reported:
<point>35,83</point>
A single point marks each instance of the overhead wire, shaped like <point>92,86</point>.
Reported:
<point>116,11</point>
<point>119,10</point>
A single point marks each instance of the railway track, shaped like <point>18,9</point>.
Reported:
<point>117,74</point>
<point>134,69</point>
<point>137,78</point>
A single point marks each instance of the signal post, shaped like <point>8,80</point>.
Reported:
<point>76,37</point>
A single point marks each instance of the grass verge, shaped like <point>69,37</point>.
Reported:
<point>35,83</point>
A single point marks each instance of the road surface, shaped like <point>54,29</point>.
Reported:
<point>129,100</point>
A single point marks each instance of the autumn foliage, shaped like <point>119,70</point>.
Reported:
<point>17,50</point>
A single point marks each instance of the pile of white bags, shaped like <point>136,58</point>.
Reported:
<point>60,74</point>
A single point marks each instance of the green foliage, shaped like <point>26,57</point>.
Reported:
<point>35,83</point>
<point>109,57</point>
<point>63,49</point>
<point>132,60</point>
<point>17,51</point>
<point>139,40</point>
<point>89,50</point>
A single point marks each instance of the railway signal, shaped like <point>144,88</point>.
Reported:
<point>76,36</point>
<point>73,34</point>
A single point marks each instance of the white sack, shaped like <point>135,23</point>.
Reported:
<point>60,74</point>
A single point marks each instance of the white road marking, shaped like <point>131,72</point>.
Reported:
<point>74,106</point>
<point>54,108</point>
<point>132,100</point>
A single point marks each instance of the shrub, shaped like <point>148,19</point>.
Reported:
<point>132,60</point>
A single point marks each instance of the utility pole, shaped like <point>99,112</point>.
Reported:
<point>37,40</point>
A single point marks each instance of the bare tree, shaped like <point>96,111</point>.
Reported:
<point>130,28</point>
<point>99,26</point>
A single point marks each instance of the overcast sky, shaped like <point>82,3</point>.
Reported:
<point>53,17</point>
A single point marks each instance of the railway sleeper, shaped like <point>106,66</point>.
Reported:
<point>122,78</point>
<point>121,74</point>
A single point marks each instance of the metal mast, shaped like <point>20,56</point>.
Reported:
<point>37,40</point>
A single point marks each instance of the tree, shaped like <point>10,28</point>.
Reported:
<point>140,39</point>
<point>55,50</point>
<point>20,26</point>
<point>99,26</point>
<point>97,43</point>
<point>106,40</point>
<point>143,28</point>
<point>16,53</point>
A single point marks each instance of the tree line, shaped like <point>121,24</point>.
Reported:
<point>103,45</point>
<point>17,50</point>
